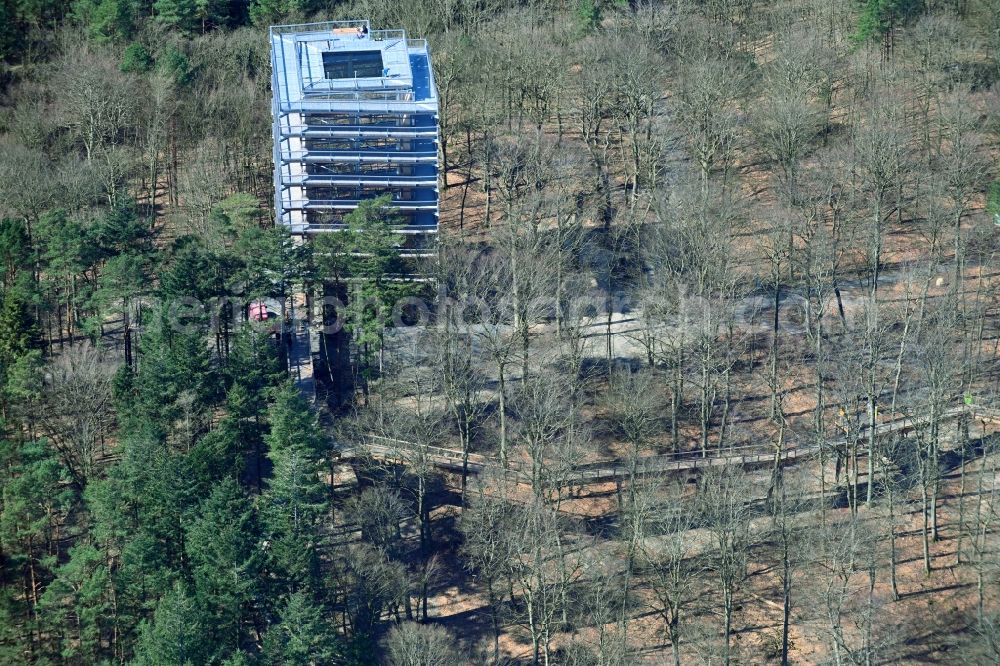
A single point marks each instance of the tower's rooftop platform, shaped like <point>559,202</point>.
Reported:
<point>346,61</point>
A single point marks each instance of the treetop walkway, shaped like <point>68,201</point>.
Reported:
<point>387,449</point>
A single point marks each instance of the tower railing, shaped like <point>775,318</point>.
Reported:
<point>321,26</point>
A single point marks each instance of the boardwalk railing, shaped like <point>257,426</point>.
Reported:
<point>390,449</point>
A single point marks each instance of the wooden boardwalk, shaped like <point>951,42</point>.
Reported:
<point>403,452</point>
<point>300,357</point>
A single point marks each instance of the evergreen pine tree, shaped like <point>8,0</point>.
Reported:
<point>79,604</point>
<point>224,546</point>
<point>302,636</point>
<point>178,15</point>
<point>296,497</point>
<point>106,20</point>
<point>176,634</point>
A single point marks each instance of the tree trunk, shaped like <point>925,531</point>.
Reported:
<point>502,389</point>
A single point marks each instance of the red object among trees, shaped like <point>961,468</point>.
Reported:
<point>258,311</point>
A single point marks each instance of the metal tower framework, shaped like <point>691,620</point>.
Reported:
<point>355,117</point>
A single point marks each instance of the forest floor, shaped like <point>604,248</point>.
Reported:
<point>931,610</point>
<point>923,626</point>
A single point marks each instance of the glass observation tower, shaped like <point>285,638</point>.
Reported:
<point>355,117</point>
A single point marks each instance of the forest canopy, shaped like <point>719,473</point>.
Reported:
<point>704,369</point>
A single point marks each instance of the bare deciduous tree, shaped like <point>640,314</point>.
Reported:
<point>412,644</point>
<point>76,411</point>
<point>724,506</point>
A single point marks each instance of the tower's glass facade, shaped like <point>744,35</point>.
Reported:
<point>355,117</point>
